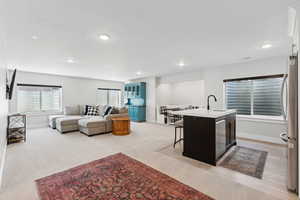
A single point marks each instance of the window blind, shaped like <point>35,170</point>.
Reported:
<point>114,97</point>
<point>38,98</point>
<point>107,96</point>
<point>267,97</point>
<point>261,96</point>
<point>238,96</point>
<point>102,97</point>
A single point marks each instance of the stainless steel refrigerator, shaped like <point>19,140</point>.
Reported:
<point>289,101</point>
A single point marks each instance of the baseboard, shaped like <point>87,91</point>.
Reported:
<point>151,121</point>
<point>262,138</point>
<point>2,161</point>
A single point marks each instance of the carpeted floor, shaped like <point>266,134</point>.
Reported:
<point>114,177</point>
<point>48,152</point>
<point>246,160</point>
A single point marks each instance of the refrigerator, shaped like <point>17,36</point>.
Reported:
<point>289,94</point>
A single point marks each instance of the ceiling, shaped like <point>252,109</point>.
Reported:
<point>150,37</point>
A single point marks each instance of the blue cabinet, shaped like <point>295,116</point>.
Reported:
<point>141,90</point>
<point>135,94</point>
<point>135,90</point>
<point>137,113</point>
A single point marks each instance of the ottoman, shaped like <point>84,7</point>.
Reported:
<point>52,120</point>
<point>68,123</point>
<point>93,126</point>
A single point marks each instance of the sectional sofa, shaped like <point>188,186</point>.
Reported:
<point>75,119</point>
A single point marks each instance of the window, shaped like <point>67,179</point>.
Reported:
<point>106,96</point>
<point>255,95</point>
<point>39,98</point>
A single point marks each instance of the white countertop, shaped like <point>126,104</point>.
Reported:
<point>204,113</point>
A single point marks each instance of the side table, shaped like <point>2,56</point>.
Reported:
<point>121,125</point>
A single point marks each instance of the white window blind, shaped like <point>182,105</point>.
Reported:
<point>256,96</point>
<point>38,98</point>
<point>106,96</point>
<point>102,98</point>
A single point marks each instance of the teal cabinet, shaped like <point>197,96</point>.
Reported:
<point>141,113</point>
<point>137,113</point>
<point>135,90</point>
<point>135,93</point>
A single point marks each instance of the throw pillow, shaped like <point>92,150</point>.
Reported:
<point>107,111</point>
<point>101,109</point>
<point>92,110</point>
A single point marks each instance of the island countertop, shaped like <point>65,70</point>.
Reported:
<point>204,113</point>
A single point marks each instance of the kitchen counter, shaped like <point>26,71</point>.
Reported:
<point>204,113</point>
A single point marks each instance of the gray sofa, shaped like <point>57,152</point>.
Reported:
<point>74,119</point>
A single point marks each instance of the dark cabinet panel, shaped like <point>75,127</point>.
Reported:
<point>202,135</point>
<point>197,139</point>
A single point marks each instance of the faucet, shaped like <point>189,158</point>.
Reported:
<point>208,107</point>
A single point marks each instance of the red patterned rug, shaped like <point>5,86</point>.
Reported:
<point>112,178</point>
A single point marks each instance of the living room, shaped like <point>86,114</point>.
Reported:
<point>98,104</point>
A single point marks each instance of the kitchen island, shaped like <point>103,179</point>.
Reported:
<point>208,134</point>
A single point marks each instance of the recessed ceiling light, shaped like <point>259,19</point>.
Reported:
<point>34,37</point>
<point>266,46</point>
<point>181,64</point>
<point>104,37</point>
<point>247,58</point>
<point>70,60</point>
<point>138,73</point>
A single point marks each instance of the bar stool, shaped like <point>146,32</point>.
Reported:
<point>178,125</point>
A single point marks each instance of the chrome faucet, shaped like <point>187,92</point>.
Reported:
<point>208,107</point>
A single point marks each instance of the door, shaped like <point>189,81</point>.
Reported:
<point>141,113</point>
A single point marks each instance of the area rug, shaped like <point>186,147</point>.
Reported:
<point>112,178</point>
<point>247,161</point>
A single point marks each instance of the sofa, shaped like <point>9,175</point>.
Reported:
<point>76,118</point>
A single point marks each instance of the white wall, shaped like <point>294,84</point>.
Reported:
<point>3,118</point>
<point>151,83</point>
<point>75,91</point>
<point>3,101</point>
<point>213,77</point>
<point>177,93</point>
<point>267,130</point>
